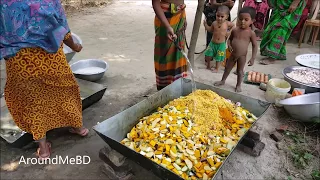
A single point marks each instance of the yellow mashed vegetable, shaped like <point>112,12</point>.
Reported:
<point>191,135</point>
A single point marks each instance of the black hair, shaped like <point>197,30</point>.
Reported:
<point>249,10</point>
<point>224,9</point>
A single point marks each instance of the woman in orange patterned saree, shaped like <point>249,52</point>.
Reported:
<point>41,92</point>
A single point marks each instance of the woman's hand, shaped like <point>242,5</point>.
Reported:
<point>77,47</point>
<point>293,6</point>
<point>170,33</point>
<point>229,3</point>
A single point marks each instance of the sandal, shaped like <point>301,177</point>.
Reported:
<point>83,132</point>
<point>44,157</point>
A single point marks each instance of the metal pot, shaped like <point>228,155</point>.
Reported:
<point>304,107</point>
<point>114,129</point>
<point>89,69</point>
<point>296,84</point>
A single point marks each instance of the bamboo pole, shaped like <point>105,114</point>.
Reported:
<point>195,31</point>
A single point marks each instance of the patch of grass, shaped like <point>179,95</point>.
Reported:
<point>298,138</point>
<point>315,174</point>
<point>315,120</point>
<point>301,157</point>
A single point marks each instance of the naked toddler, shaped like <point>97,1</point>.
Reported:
<point>238,44</point>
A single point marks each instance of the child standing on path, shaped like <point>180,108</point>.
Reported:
<point>238,44</point>
<point>217,47</point>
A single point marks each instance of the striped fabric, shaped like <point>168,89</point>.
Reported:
<point>169,62</point>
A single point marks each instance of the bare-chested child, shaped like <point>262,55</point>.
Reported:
<point>238,43</point>
<point>217,47</point>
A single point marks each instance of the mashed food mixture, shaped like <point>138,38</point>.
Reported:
<point>191,142</point>
<point>306,76</point>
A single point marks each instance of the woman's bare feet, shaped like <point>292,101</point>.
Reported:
<point>219,83</point>
<point>80,131</point>
<point>208,64</point>
<point>44,150</point>
<point>214,70</point>
<point>238,89</point>
<point>267,61</point>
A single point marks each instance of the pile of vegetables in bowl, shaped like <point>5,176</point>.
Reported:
<point>191,135</point>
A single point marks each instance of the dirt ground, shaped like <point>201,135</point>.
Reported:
<point>122,34</point>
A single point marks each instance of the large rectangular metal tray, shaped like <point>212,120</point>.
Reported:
<point>114,129</point>
<point>90,93</point>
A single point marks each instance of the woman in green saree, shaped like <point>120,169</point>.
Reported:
<point>285,16</point>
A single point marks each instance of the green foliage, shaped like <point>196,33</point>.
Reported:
<point>315,174</point>
<point>301,157</point>
<point>296,137</point>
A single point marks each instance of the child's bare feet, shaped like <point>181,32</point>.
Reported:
<point>207,61</point>
<point>214,70</point>
<point>208,65</point>
<point>238,89</point>
<point>219,83</point>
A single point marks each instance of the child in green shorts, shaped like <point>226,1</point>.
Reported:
<point>220,29</point>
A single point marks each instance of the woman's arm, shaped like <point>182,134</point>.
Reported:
<point>160,14</point>
<point>215,4</point>
<point>294,5</point>
<point>229,3</point>
<point>68,40</point>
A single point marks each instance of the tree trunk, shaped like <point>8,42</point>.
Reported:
<point>195,31</point>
